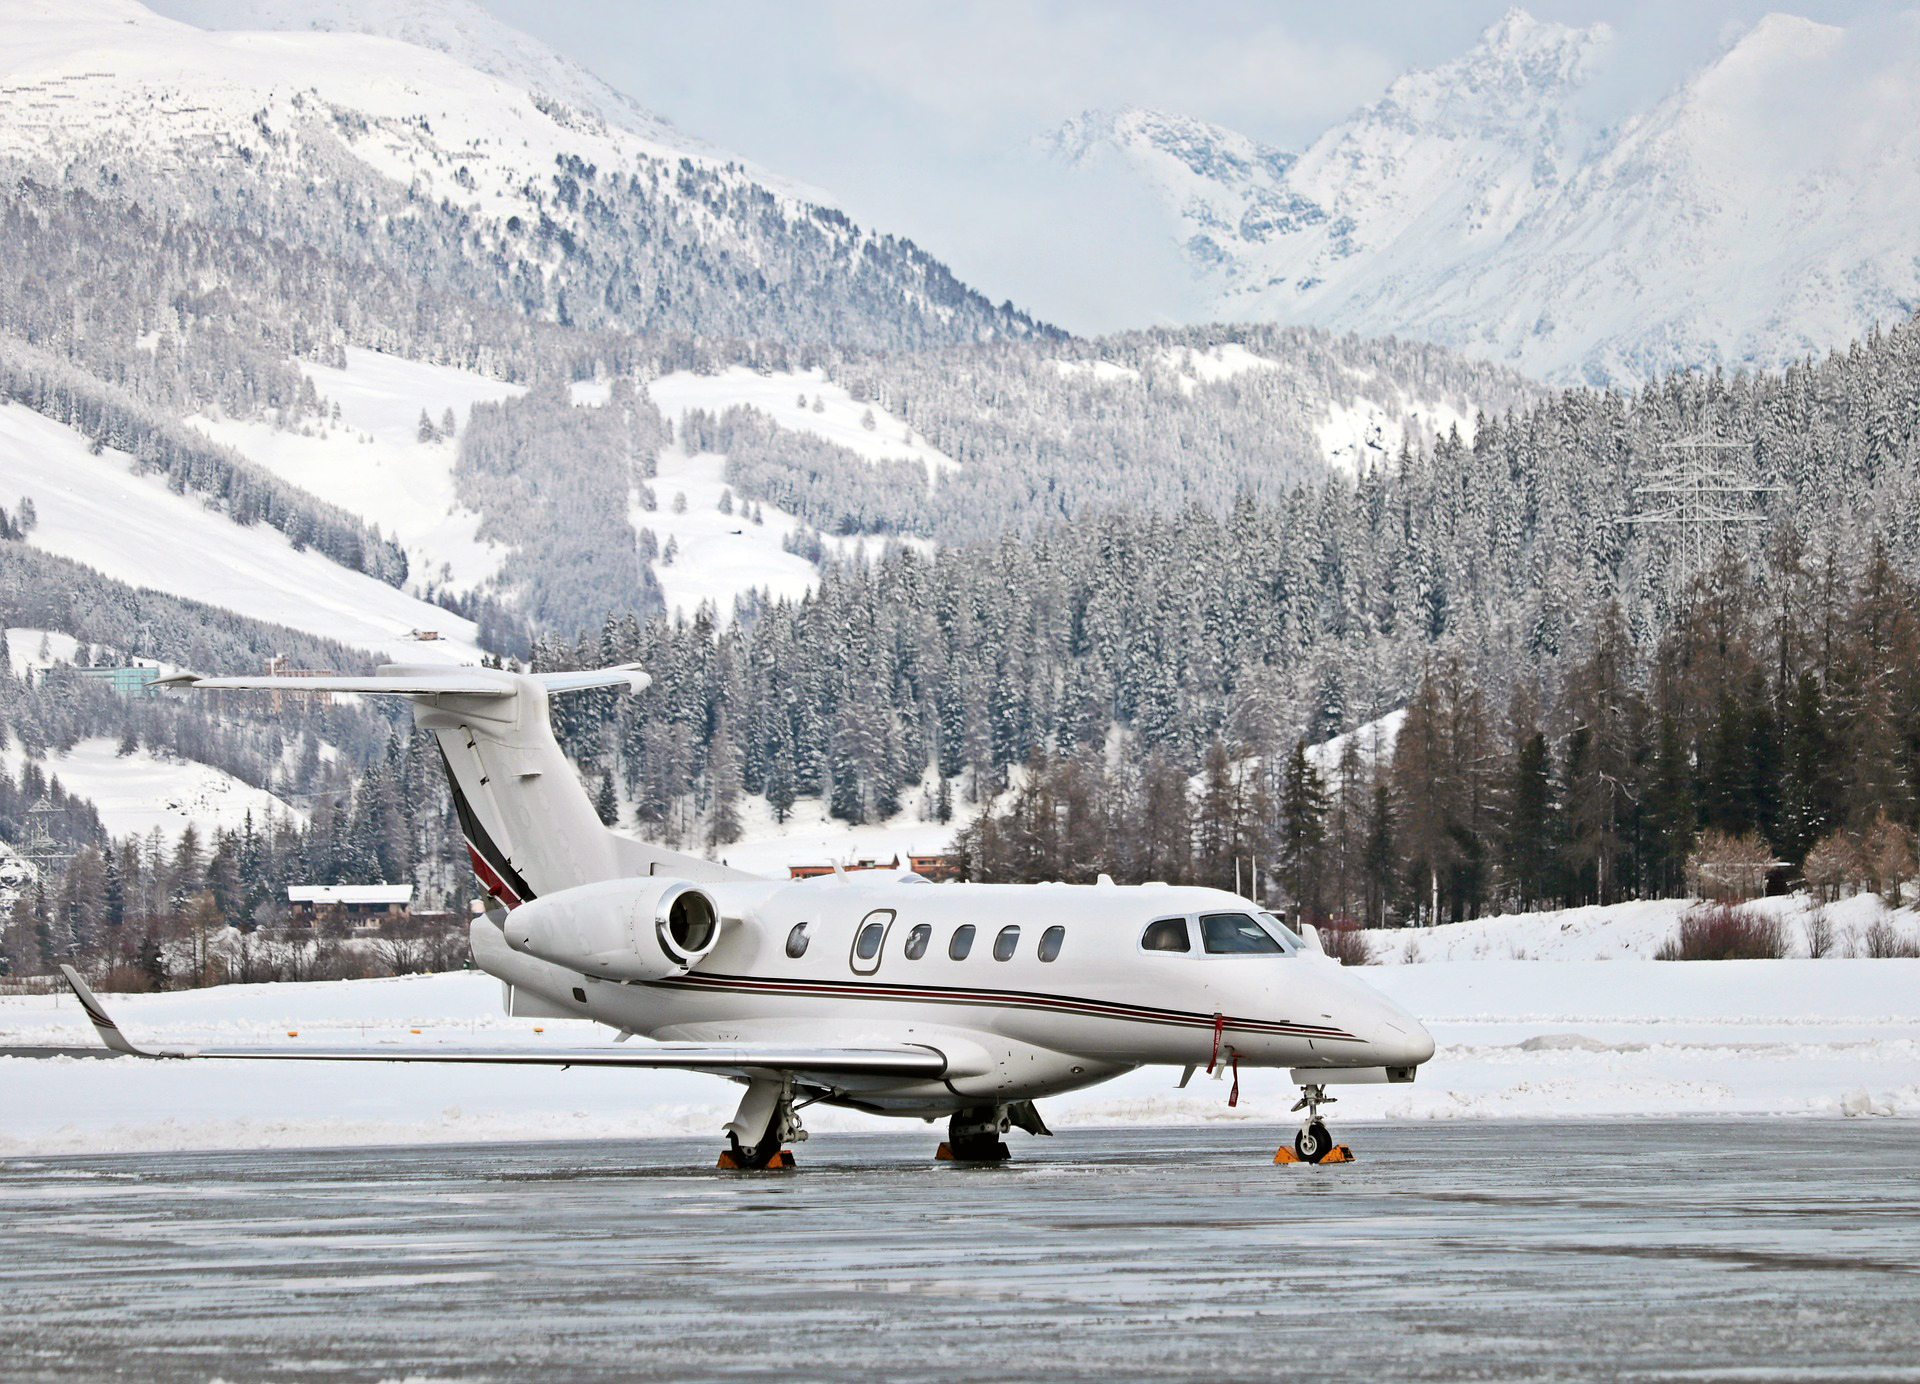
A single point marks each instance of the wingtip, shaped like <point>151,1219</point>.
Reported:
<point>103,1024</point>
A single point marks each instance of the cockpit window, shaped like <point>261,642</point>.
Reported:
<point>1166,934</point>
<point>1235,934</point>
<point>1289,939</point>
<point>797,941</point>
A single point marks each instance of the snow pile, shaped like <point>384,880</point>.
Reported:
<point>1626,931</point>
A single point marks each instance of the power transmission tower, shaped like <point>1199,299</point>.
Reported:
<point>1697,498</point>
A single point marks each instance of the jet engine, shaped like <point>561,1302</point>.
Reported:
<point>620,929</point>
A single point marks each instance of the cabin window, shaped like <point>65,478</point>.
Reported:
<point>1050,941</point>
<point>1004,944</point>
<point>868,938</point>
<point>1166,934</point>
<point>797,941</point>
<point>1235,934</point>
<point>917,941</point>
<point>962,942</point>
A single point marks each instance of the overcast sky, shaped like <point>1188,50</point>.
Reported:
<point>920,118</point>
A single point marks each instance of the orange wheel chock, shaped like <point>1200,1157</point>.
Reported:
<point>945,1155</point>
<point>779,1162</point>
<point>1339,1153</point>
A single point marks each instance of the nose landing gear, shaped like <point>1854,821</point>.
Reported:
<point>1313,1144</point>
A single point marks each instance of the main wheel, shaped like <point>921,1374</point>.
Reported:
<point>1313,1143</point>
<point>759,1155</point>
<point>974,1145</point>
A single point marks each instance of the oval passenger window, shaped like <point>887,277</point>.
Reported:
<point>1004,944</point>
<point>962,942</point>
<point>869,944</point>
<point>917,941</point>
<point>797,941</point>
<point>1050,941</point>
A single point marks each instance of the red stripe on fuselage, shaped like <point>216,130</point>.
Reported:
<point>1005,999</point>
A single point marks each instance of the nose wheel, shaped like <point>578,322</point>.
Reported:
<point>1313,1144</point>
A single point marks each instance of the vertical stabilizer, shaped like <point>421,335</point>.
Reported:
<point>529,825</point>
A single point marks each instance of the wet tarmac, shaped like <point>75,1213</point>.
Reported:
<point>1697,1250</point>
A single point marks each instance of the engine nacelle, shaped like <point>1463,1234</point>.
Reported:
<point>622,929</point>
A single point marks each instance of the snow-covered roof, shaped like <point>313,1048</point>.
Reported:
<point>350,893</point>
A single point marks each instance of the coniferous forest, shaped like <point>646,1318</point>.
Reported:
<point>1589,645</point>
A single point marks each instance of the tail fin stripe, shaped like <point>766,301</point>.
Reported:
<point>489,862</point>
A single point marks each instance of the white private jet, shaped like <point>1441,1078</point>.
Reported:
<point>883,993</point>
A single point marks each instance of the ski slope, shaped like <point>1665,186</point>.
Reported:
<point>778,394</point>
<point>97,511</point>
<point>373,464</point>
<point>141,792</point>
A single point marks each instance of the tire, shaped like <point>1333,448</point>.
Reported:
<point>761,1154</point>
<point>974,1147</point>
<point>1313,1143</point>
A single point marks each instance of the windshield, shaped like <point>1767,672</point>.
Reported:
<point>1235,934</point>
<point>1289,939</point>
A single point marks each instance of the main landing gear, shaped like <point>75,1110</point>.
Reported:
<point>766,1117</point>
<point>973,1135</point>
<point>1313,1144</point>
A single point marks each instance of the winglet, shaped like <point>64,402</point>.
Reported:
<point>108,1030</point>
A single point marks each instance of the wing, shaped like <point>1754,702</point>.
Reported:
<point>433,681</point>
<point>901,1060</point>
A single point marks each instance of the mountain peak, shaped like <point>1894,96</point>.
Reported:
<point>460,30</point>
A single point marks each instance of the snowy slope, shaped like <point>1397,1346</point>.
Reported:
<point>778,394</point>
<point>373,464</point>
<point>516,168</point>
<point>463,32</point>
<point>134,529</point>
<point>1761,210</point>
<point>139,793</point>
<point>722,556</point>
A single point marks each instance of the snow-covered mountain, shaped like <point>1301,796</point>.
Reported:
<point>1763,209</point>
<point>485,165</point>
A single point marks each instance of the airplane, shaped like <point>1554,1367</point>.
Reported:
<point>881,992</point>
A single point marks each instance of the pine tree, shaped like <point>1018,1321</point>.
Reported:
<point>606,803</point>
<point>1303,830</point>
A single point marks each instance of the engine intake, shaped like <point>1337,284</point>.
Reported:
<point>622,929</point>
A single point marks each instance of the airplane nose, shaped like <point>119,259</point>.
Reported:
<point>1402,1041</point>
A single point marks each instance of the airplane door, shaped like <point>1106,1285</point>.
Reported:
<point>869,939</point>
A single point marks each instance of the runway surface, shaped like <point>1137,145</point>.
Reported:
<point>1703,1250</point>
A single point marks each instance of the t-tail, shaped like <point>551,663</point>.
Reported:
<point>529,825</point>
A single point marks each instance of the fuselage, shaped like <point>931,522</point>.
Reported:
<point>1031,990</point>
